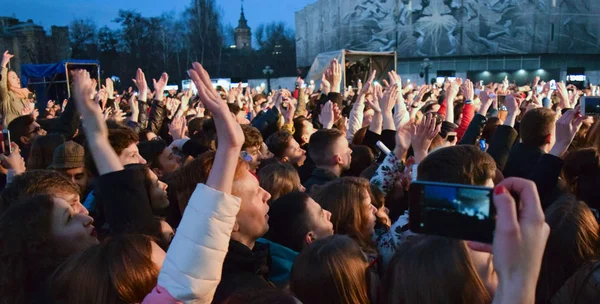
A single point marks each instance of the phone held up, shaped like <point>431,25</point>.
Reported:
<point>452,210</point>
<point>590,105</point>
<point>6,147</point>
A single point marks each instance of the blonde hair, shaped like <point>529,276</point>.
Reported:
<point>279,179</point>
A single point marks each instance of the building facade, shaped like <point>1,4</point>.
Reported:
<point>458,36</point>
<point>31,44</point>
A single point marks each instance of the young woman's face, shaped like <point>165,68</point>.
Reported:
<point>483,263</point>
<point>369,214</point>
<point>13,80</point>
<point>158,193</point>
<point>72,231</point>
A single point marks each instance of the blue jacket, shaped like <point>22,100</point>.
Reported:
<point>282,260</point>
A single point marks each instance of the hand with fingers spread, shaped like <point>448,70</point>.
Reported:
<point>141,84</point>
<point>327,117</point>
<point>567,127</point>
<point>388,100</point>
<point>374,102</point>
<point>423,134</point>
<point>336,76</point>
<point>486,101</point>
<point>159,86</point>
<point>118,115</point>
<point>519,240</point>
<point>6,57</point>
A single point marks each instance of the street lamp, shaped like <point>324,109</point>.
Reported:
<point>268,72</point>
<point>425,66</point>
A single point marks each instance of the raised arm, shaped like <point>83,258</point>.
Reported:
<point>4,80</point>
<point>208,220</point>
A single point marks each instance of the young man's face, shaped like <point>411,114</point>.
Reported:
<point>131,155</point>
<point>342,149</point>
<point>169,161</point>
<point>34,131</point>
<point>320,220</point>
<point>254,157</point>
<point>252,219</point>
<point>78,176</point>
<point>294,154</point>
<point>307,131</point>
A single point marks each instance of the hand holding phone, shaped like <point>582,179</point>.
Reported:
<point>452,210</point>
<point>6,146</point>
<point>590,105</point>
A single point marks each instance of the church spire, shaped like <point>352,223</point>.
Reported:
<point>243,23</point>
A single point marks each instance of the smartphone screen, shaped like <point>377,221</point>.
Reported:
<point>7,149</point>
<point>452,210</point>
<point>482,146</point>
<point>590,105</point>
<point>501,99</point>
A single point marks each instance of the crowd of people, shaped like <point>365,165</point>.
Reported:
<point>245,196</point>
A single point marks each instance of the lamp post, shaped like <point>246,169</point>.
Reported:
<point>425,66</point>
<point>268,72</point>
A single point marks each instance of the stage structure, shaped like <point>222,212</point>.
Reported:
<point>357,66</point>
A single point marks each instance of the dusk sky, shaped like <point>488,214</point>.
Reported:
<point>62,12</point>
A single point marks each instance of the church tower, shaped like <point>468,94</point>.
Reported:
<point>243,33</point>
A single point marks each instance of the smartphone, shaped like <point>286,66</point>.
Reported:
<point>539,89</point>
<point>553,84</point>
<point>590,105</point>
<point>7,148</point>
<point>501,99</point>
<point>477,91</point>
<point>482,145</point>
<point>452,210</point>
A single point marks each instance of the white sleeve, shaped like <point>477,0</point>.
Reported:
<point>356,119</point>
<point>192,268</point>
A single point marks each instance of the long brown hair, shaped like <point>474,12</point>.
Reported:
<point>42,151</point>
<point>431,269</point>
<point>27,251</point>
<point>279,179</point>
<point>120,270</point>
<point>574,241</point>
<point>344,197</point>
<point>581,172</point>
<point>332,270</point>
<point>188,177</point>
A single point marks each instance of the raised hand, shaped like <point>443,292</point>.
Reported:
<point>327,118</point>
<point>325,84</point>
<point>159,86</point>
<point>287,112</point>
<point>141,84</point>
<point>468,91</point>
<point>177,127</point>
<point>229,132</point>
<point>453,91</point>
<point>83,88</point>
<point>110,88</point>
<point>567,127</point>
<point>336,80</point>
<point>387,102</point>
<point>423,134</point>
<point>6,59</point>
<point>563,95</point>
<point>364,89</point>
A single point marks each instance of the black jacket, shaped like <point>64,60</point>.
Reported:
<point>125,202</point>
<point>243,269</point>
<point>473,131</point>
<point>319,177</point>
<point>545,175</point>
<point>158,113</point>
<point>501,144</point>
<point>522,159</point>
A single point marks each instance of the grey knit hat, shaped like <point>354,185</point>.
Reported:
<point>68,156</point>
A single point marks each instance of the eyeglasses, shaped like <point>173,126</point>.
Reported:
<point>36,130</point>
